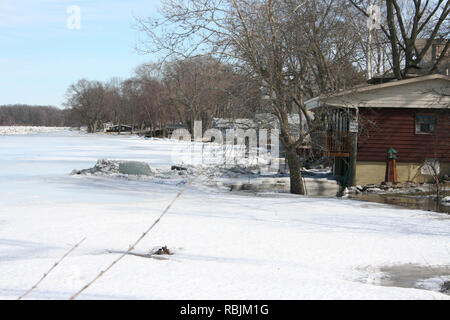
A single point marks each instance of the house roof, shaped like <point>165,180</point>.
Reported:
<point>422,92</point>
<point>119,125</point>
<point>175,126</point>
<point>261,120</point>
<point>224,123</point>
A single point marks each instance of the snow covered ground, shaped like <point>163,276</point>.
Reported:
<point>227,245</point>
<point>24,130</point>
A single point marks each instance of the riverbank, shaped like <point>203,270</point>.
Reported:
<point>414,196</point>
<point>27,130</point>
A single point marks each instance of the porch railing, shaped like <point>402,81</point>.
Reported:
<point>337,144</point>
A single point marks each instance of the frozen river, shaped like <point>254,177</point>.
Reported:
<point>37,168</point>
<point>227,245</point>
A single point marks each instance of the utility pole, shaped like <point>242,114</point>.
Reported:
<point>373,24</point>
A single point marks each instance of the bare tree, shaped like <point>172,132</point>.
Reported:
<point>293,49</point>
<point>87,100</point>
<point>407,21</point>
<point>201,88</point>
<point>178,91</point>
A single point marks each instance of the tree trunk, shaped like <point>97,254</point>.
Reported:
<point>393,39</point>
<point>93,126</point>
<point>297,186</point>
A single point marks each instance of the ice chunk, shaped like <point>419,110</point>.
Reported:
<point>114,167</point>
<point>134,168</point>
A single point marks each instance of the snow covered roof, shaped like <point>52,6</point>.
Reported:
<point>422,92</point>
<point>224,123</point>
<point>261,120</point>
<point>175,126</point>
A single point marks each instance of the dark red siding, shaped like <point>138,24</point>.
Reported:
<point>381,129</point>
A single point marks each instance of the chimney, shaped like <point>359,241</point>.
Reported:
<point>412,72</point>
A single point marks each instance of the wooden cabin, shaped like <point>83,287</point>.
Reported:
<point>119,129</point>
<point>266,121</point>
<point>171,127</point>
<point>411,116</point>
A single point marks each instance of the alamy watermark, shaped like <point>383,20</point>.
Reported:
<point>228,147</point>
<point>73,22</point>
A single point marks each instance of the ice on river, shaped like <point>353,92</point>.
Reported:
<point>226,245</point>
<point>25,130</point>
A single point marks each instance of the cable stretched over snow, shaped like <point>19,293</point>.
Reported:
<point>50,270</point>
<point>133,246</point>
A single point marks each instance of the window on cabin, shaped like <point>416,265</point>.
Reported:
<point>425,124</point>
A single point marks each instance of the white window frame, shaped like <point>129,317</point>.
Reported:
<point>417,124</point>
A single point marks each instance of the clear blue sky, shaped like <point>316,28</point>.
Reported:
<point>40,56</point>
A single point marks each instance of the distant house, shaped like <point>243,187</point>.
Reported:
<point>412,116</point>
<point>118,128</point>
<point>224,124</point>
<point>171,127</point>
<point>107,125</point>
<point>433,54</point>
<point>268,122</point>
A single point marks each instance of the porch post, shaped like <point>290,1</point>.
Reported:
<point>353,149</point>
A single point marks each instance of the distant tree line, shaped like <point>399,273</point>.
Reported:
<point>25,115</point>
<point>180,91</point>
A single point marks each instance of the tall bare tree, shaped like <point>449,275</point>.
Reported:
<point>87,100</point>
<point>293,49</point>
<point>201,88</point>
<point>405,22</point>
